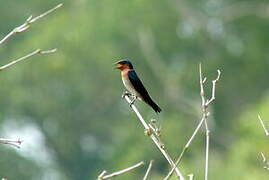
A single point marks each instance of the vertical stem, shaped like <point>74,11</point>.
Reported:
<point>205,114</point>
<point>207,154</point>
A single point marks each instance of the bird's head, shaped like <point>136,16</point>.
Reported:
<point>123,64</point>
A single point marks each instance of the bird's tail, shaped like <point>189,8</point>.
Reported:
<point>154,106</point>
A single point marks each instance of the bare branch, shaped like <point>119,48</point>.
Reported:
<point>38,51</point>
<point>265,162</point>
<point>12,142</point>
<point>205,103</point>
<point>155,139</point>
<point>207,151</point>
<point>205,115</point>
<point>32,20</point>
<point>16,30</point>
<point>263,126</point>
<point>27,23</point>
<point>190,176</point>
<point>102,176</point>
<point>214,82</point>
<point>185,148</point>
<point>148,170</point>
<point>264,159</point>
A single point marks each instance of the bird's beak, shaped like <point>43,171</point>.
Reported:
<point>117,65</point>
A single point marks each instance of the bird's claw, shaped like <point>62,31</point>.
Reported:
<point>126,93</point>
<point>132,102</point>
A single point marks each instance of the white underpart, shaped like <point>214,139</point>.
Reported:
<point>127,83</point>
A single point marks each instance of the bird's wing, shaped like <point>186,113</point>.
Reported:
<point>137,84</point>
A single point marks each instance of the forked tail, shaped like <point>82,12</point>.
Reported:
<point>154,106</point>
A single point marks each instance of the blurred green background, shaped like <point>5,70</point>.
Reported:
<point>67,106</point>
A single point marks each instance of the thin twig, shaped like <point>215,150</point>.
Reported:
<point>207,151</point>
<point>102,176</point>
<point>38,51</point>
<point>155,139</point>
<point>27,23</point>
<point>12,142</point>
<point>263,126</point>
<point>204,110</point>
<point>185,148</point>
<point>214,82</point>
<point>265,161</point>
<point>148,170</point>
<point>205,104</point>
<point>191,176</point>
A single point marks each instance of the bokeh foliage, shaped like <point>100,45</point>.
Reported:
<point>71,99</point>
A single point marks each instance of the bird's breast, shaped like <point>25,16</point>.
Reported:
<point>127,83</point>
<point>129,86</point>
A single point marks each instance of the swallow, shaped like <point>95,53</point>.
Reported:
<point>134,85</point>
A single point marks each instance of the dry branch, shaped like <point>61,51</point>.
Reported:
<point>16,30</point>
<point>263,126</point>
<point>205,103</point>
<point>148,170</point>
<point>102,176</point>
<point>191,176</point>
<point>12,142</point>
<point>23,28</point>
<point>264,159</point>
<point>265,162</point>
<point>38,51</point>
<point>28,23</point>
<point>154,138</point>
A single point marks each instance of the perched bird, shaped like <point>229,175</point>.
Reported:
<point>133,84</point>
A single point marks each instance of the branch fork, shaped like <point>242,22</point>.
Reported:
<point>27,23</point>
<point>205,113</point>
<point>23,28</point>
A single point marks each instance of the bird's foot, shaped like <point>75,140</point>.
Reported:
<point>132,102</point>
<point>126,93</point>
